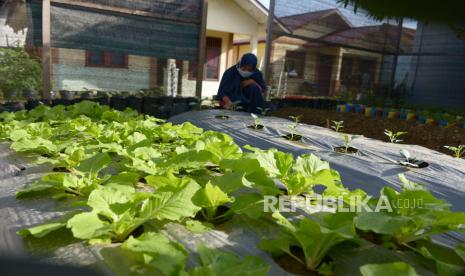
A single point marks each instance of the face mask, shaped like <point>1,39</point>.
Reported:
<point>243,73</point>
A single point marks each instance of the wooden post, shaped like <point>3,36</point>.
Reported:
<point>46,51</point>
<point>269,41</point>
<point>202,46</point>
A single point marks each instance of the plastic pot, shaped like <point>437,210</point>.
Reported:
<point>64,102</point>
<point>341,108</point>
<point>30,94</point>
<point>31,104</point>
<point>13,106</point>
<point>421,119</point>
<point>192,103</point>
<point>67,95</point>
<point>179,108</point>
<point>10,95</point>
<point>378,112</point>
<point>368,111</point>
<point>443,123</point>
<point>153,106</point>
<point>392,114</point>
<point>135,103</point>
<point>358,108</point>
<point>349,108</point>
<point>118,103</point>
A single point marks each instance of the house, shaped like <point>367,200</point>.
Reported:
<point>121,46</point>
<point>315,60</point>
<point>234,27</point>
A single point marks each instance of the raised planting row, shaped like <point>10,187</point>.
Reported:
<point>161,107</point>
<point>129,178</point>
<point>362,162</point>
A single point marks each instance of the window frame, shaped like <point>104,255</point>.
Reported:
<point>302,58</point>
<point>191,76</point>
<point>106,61</point>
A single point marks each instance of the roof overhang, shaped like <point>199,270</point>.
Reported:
<point>255,9</point>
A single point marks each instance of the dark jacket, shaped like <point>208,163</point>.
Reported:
<point>230,84</point>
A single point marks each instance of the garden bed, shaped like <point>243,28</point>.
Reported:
<point>146,197</point>
<point>429,135</point>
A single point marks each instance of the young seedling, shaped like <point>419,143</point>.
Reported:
<point>458,151</point>
<point>235,106</point>
<point>393,136</point>
<point>263,111</point>
<point>411,162</point>
<point>347,140</point>
<point>257,121</point>
<point>338,125</point>
<point>293,135</point>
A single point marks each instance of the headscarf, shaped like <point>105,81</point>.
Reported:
<point>249,59</point>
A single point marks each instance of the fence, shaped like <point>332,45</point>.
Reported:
<point>322,48</point>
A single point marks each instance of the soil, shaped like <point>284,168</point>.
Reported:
<point>291,265</point>
<point>61,169</point>
<point>294,138</point>
<point>420,164</point>
<point>430,136</point>
<point>256,127</point>
<point>343,150</point>
<point>222,117</point>
<point>220,211</point>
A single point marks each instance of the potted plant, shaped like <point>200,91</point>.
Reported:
<point>18,73</point>
<point>393,113</point>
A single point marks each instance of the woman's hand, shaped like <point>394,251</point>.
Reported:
<point>248,82</point>
<point>227,102</point>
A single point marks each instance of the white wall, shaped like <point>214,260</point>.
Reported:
<point>227,16</point>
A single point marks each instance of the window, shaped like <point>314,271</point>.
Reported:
<point>106,59</point>
<point>295,64</point>
<point>212,61</point>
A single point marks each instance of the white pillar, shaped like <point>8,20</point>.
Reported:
<point>254,43</point>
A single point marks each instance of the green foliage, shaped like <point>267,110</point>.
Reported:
<point>216,262</point>
<point>338,125</point>
<point>397,268</point>
<point>18,71</point>
<point>413,214</point>
<point>459,151</point>
<point>314,238</point>
<point>293,127</point>
<point>393,136</point>
<point>124,175</point>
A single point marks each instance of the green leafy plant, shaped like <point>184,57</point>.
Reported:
<point>210,198</point>
<point>18,71</point>
<point>458,151</point>
<point>393,136</point>
<point>411,215</point>
<point>347,141</point>
<point>217,262</point>
<point>149,254</point>
<point>257,120</point>
<point>397,268</point>
<point>314,238</point>
<point>293,127</point>
<point>301,175</point>
<point>263,111</point>
<point>338,125</point>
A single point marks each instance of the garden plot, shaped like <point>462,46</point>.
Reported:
<point>134,195</point>
<point>375,165</point>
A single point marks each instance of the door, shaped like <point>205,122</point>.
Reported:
<point>325,68</point>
